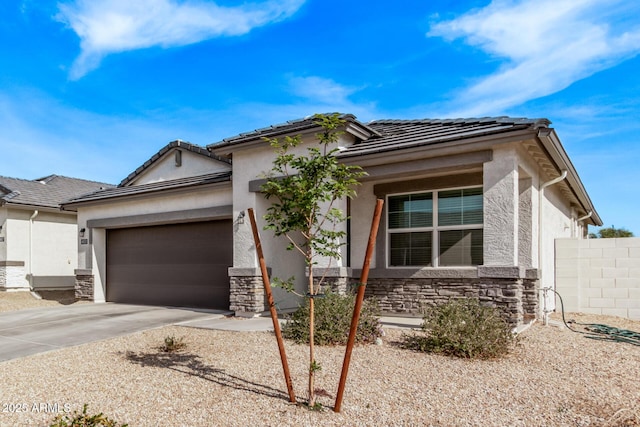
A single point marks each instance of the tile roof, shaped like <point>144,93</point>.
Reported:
<point>173,144</point>
<point>47,192</point>
<point>289,127</point>
<point>388,135</point>
<point>150,188</point>
<point>401,134</point>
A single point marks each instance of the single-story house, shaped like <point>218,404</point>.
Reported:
<point>472,208</point>
<point>38,241</point>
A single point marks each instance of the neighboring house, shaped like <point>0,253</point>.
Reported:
<point>472,208</point>
<point>38,241</point>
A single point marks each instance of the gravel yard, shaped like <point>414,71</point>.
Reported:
<point>10,301</point>
<point>554,378</point>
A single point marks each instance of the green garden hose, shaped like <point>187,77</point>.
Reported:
<point>597,331</point>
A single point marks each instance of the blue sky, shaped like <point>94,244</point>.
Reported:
<point>93,88</point>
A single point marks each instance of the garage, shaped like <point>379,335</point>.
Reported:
<point>180,265</point>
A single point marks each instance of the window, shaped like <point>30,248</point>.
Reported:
<point>435,229</point>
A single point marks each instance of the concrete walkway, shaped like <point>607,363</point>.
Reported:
<point>37,330</point>
<point>264,323</point>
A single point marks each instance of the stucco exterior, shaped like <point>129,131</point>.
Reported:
<point>38,241</point>
<point>529,190</point>
<point>201,203</point>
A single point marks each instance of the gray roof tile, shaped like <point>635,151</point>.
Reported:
<point>47,192</point>
<point>289,127</point>
<point>115,192</point>
<point>387,135</point>
<point>401,134</point>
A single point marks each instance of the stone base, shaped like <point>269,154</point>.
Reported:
<point>84,285</point>
<point>335,279</point>
<point>515,297</point>
<point>247,295</point>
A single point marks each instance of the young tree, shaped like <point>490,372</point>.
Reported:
<point>611,232</point>
<point>304,190</point>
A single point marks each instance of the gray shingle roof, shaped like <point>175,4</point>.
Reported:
<point>154,187</point>
<point>173,144</point>
<point>401,134</point>
<point>47,192</point>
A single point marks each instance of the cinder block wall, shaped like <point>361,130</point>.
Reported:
<point>599,276</point>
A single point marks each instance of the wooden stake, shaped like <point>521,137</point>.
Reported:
<point>364,276</point>
<point>272,306</point>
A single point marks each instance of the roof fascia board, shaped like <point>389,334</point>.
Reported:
<point>31,207</point>
<point>441,149</point>
<point>432,165</point>
<point>551,143</point>
<point>161,192</point>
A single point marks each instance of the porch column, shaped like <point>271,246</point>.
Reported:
<point>246,293</point>
<point>500,177</point>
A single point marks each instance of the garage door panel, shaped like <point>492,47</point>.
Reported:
<point>173,265</point>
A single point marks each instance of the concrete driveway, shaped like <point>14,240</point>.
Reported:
<point>37,330</point>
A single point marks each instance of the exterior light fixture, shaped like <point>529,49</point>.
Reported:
<point>241,217</point>
<point>82,231</point>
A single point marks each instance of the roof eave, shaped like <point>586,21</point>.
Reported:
<point>74,204</point>
<point>551,142</point>
<point>32,206</point>
<point>352,126</point>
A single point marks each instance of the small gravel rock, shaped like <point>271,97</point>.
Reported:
<point>554,377</point>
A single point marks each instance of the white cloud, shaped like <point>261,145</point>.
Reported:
<point>111,26</point>
<point>320,89</point>
<point>322,95</point>
<point>547,45</point>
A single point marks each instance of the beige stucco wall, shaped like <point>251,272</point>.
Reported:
<point>192,164</point>
<point>517,221</point>
<point>362,207</point>
<point>92,255</point>
<point>45,243</point>
<point>600,276</point>
<point>250,165</point>
<point>3,234</point>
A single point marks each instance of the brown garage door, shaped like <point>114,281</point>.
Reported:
<point>181,265</point>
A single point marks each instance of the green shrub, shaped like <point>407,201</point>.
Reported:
<point>463,328</point>
<point>333,315</point>
<point>173,344</point>
<point>81,419</point>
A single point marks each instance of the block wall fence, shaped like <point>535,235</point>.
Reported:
<point>599,276</point>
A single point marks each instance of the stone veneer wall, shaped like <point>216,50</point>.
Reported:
<point>247,295</point>
<point>336,279</point>
<point>516,298</point>
<point>84,285</point>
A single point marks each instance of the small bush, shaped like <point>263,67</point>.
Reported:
<point>173,344</point>
<point>463,328</point>
<point>333,315</point>
<point>81,419</point>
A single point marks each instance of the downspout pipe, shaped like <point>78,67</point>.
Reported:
<point>35,214</point>
<point>587,216</point>
<point>563,175</point>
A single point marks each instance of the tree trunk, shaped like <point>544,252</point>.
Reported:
<point>312,360</point>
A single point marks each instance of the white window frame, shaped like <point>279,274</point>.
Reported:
<point>435,229</point>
